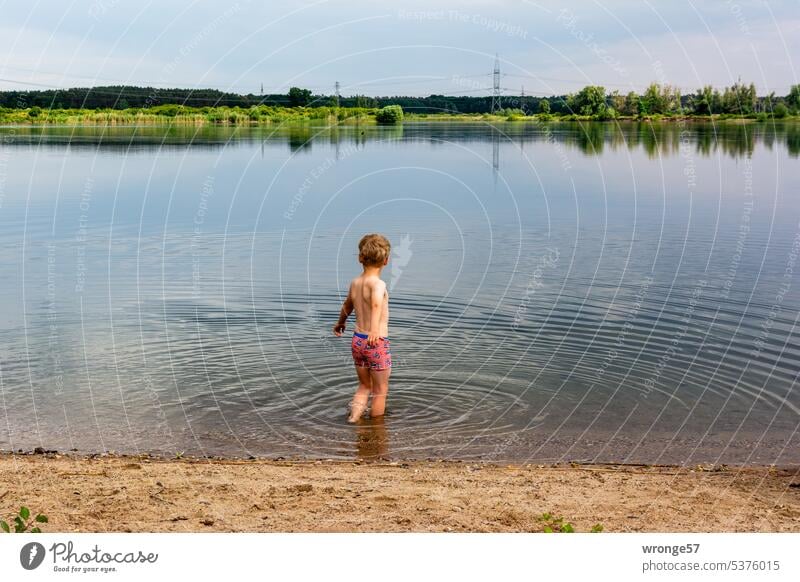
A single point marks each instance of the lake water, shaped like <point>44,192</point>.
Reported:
<point>558,292</point>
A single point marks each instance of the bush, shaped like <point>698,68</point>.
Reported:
<point>780,111</point>
<point>166,110</point>
<point>34,111</point>
<point>391,114</point>
<point>216,116</point>
<point>321,112</point>
<point>23,522</point>
<point>606,114</point>
<point>512,114</point>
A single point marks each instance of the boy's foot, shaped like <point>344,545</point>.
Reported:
<point>357,409</point>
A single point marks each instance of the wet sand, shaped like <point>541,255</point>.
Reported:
<point>144,494</point>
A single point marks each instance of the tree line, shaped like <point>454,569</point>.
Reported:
<point>591,101</point>
<point>657,99</point>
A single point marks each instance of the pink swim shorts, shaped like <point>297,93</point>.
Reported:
<point>376,357</point>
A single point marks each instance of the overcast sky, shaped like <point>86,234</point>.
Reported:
<point>376,48</point>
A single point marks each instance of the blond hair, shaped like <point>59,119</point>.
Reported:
<point>373,250</point>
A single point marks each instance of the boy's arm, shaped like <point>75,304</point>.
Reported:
<point>377,297</point>
<point>347,309</point>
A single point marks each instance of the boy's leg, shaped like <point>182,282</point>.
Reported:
<point>380,389</point>
<point>361,395</point>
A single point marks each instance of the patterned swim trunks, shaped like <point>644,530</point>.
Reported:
<point>377,357</point>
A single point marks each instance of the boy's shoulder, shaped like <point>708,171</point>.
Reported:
<point>375,281</point>
<point>371,281</point>
<point>367,279</point>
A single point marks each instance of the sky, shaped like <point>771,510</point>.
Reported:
<point>375,47</point>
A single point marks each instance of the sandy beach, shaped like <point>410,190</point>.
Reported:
<point>144,494</point>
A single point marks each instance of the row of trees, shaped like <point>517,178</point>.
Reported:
<point>738,99</point>
<point>127,97</point>
<point>657,99</point>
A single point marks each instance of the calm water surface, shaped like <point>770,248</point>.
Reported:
<point>562,292</point>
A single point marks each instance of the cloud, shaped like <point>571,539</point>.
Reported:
<point>378,48</point>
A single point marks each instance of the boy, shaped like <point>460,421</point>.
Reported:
<point>370,345</point>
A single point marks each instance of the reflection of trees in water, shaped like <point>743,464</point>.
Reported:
<point>705,138</point>
<point>665,139</point>
<point>300,138</point>
<point>793,140</point>
<point>358,134</point>
<point>591,138</point>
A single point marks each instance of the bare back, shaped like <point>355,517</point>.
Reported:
<point>371,304</point>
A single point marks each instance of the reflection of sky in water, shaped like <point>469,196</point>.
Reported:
<point>179,297</point>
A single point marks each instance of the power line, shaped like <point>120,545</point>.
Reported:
<point>281,89</point>
<point>496,88</point>
<point>496,85</point>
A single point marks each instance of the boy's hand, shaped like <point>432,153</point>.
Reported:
<point>338,329</point>
<point>373,339</point>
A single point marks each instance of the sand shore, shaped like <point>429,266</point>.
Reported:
<point>143,494</point>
